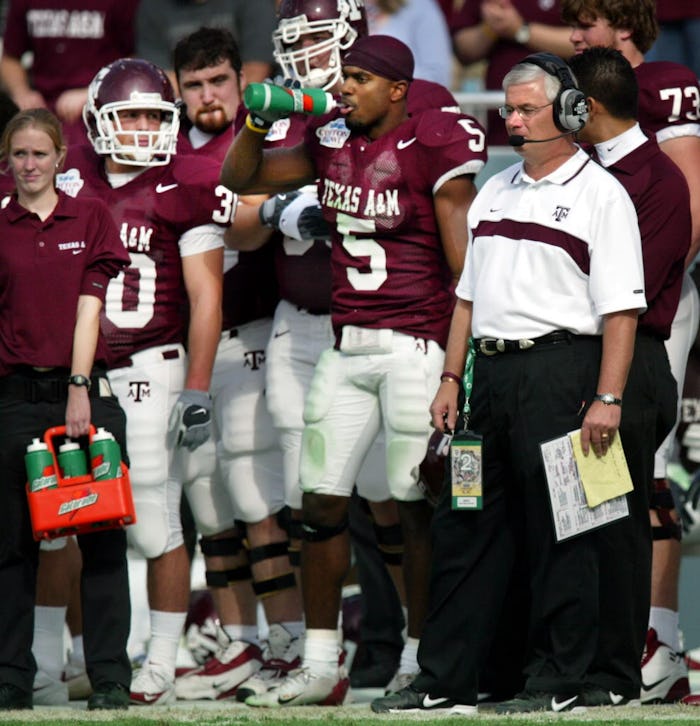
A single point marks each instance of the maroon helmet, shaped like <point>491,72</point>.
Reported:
<point>129,84</point>
<point>432,468</point>
<point>317,65</point>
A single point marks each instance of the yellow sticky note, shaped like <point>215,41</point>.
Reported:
<point>604,477</point>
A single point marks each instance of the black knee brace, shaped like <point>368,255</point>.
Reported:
<point>320,533</point>
<point>272,585</point>
<point>662,504</point>
<point>390,543</point>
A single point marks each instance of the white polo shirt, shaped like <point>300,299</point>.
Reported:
<point>552,254</point>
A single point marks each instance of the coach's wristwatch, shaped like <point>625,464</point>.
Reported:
<point>608,399</point>
<point>79,380</point>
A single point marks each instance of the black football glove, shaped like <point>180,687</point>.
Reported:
<point>190,420</point>
<point>295,214</point>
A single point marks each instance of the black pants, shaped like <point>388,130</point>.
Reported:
<point>105,599</point>
<point>518,401</point>
<point>625,546</point>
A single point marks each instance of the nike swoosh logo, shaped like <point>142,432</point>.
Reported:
<point>199,410</point>
<point>149,698</point>
<point>616,698</point>
<point>164,188</point>
<point>650,686</point>
<point>497,209</point>
<point>403,144</point>
<point>279,335</point>
<point>77,252</point>
<point>428,701</point>
<point>561,705</point>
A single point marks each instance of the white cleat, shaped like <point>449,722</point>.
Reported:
<point>220,677</point>
<point>152,685</point>
<point>281,655</point>
<point>664,672</point>
<point>304,688</point>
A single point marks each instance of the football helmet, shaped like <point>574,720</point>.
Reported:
<point>315,63</point>
<point>129,84</point>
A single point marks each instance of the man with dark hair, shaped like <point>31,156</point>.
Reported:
<point>234,485</point>
<point>669,108</point>
<point>394,188</point>
<point>660,196</point>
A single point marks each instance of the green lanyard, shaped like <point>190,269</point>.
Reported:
<point>468,380</point>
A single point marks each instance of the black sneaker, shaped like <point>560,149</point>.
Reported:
<point>599,697</point>
<point>408,700</point>
<point>14,698</point>
<point>530,701</point>
<point>109,696</point>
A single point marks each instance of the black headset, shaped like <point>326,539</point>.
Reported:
<point>570,108</point>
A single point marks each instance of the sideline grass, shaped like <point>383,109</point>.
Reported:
<point>220,715</point>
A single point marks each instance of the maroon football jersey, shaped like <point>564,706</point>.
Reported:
<point>668,96</point>
<point>387,263</point>
<point>303,268</point>
<point>147,305</point>
<point>250,289</point>
<point>662,201</point>
<point>668,11</point>
<point>70,39</point>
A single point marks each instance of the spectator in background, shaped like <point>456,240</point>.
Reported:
<point>70,41</point>
<point>161,23</point>
<point>502,33</point>
<point>421,25</point>
<point>679,34</point>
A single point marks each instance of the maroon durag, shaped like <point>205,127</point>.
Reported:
<point>383,56</point>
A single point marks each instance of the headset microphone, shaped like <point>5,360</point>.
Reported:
<point>515,140</point>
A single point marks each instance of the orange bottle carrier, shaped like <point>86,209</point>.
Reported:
<point>80,504</point>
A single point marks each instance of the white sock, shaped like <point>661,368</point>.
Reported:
<point>321,651</point>
<point>47,647</point>
<point>166,629</point>
<point>409,656</point>
<point>248,633</point>
<point>665,622</point>
<point>77,650</point>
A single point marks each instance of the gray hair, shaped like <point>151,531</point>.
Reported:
<point>529,72</point>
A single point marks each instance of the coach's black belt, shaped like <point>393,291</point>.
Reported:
<point>491,346</point>
<point>47,389</point>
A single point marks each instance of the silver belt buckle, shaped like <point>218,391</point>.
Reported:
<point>525,343</point>
<point>484,342</point>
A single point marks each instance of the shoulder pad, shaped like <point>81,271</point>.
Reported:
<point>437,128</point>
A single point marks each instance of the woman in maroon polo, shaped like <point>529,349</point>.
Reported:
<point>57,255</point>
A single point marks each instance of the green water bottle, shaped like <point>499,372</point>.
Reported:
<point>105,456</point>
<point>71,460</point>
<point>38,461</point>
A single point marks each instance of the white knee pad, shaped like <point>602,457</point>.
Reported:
<point>158,528</point>
<point>318,403</point>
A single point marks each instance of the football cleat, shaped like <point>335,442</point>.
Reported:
<point>281,655</point>
<point>152,686</point>
<point>76,678</point>
<point>408,700</point>
<point>664,672</point>
<point>399,682</point>
<point>600,697</point>
<point>532,701</point>
<point>222,674</point>
<point>304,688</point>
<point>49,691</point>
